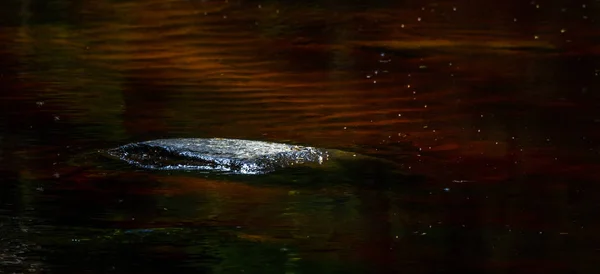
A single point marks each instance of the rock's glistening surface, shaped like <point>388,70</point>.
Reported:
<point>220,155</point>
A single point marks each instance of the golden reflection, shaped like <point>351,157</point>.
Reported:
<point>214,69</point>
<point>465,45</point>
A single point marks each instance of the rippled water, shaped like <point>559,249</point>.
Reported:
<point>489,109</point>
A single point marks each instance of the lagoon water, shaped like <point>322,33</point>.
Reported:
<point>488,110</point>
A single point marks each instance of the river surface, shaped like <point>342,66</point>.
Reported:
<point>490,110</point>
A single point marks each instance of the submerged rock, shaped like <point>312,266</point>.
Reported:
<point>232,156</point>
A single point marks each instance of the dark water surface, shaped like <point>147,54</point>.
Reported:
<point>492,107</point>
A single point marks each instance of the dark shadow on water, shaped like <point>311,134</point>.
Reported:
<point>360,171</point>
<point>364,173</point>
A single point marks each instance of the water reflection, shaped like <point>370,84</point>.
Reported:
<point>495,109</point>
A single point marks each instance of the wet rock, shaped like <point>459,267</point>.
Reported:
<point>219,155</point>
